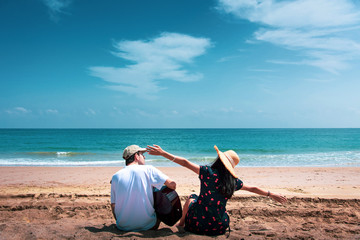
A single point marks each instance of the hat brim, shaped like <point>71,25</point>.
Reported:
<point>224,159</point>
<point>142,150</point>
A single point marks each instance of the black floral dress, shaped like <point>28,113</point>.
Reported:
<point>207,215</point>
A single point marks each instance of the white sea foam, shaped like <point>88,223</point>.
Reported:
<point>63,153</point>
<point>306,159</point>
<point>60,153</point>
<point>31,162</point>
<point>326,159</point>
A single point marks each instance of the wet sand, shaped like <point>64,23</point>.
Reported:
<point>74,203</point>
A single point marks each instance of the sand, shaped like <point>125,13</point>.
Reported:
<point>74,203</point>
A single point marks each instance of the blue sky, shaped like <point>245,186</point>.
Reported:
<point>182,64</point>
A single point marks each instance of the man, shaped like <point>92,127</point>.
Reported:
<point>132,200</point>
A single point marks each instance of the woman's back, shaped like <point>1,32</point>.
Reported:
<point>207,215</point>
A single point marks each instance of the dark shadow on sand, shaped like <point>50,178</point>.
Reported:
<point>162,232</point>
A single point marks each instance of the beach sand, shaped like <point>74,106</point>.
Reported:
<point>74,203</point>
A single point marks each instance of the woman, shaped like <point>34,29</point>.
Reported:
<point>206,214</point>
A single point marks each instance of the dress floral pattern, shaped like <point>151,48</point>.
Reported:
<point>207,215</point>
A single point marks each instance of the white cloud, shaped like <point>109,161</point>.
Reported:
<point>52,111</point>
<point>261,70</point>
<point>144,113</point>
<point>230,110</point>
<point>319,80</point>
<point>294,13</point>
<point>90,112</point>
<point>117,110</point>
<point>56,7</point>
<point>228,58</point>
<point>18,110</point>
<point>22,110</point>
<point>326,31</point>
<point>161,58</point>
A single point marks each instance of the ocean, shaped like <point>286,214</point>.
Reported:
<point>256,147</point>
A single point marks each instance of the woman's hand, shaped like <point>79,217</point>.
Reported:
<point>279,198</point>
<point>155,150</point>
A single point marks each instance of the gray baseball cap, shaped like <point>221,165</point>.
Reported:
<point>132,149</point>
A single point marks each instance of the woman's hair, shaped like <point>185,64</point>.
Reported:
<point>227,182</point>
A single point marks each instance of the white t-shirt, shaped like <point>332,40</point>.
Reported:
<point>132,193</point>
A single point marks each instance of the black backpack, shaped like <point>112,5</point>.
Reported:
<point>167,205</point>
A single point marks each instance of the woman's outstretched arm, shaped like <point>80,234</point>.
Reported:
<point>277,197</point>
<point>157,150</point>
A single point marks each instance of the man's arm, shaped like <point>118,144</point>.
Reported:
<point>170,183</point>
<point>113,210</point>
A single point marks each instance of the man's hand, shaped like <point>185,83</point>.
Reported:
<point>170,184</point>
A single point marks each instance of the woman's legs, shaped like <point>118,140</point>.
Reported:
<point>189,201</point>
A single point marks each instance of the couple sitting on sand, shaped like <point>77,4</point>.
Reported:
<point>132,200</point>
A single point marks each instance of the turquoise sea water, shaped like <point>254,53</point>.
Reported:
<point>256,147</point>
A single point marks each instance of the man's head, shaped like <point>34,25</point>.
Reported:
<point>134,153</point>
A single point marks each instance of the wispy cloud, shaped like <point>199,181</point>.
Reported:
<point>228,58</point>
<point>325,31</point>
<point>260,70</point>
<point>52,111</point>
<point>90,112</point>
<point>319,80</point>
<point>230,110</point>
<point>56,7</point>
<point>211,111</point>
<point>18,110</point>
<point>154,60</point>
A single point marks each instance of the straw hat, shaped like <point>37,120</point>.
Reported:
<point>230,159</point>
